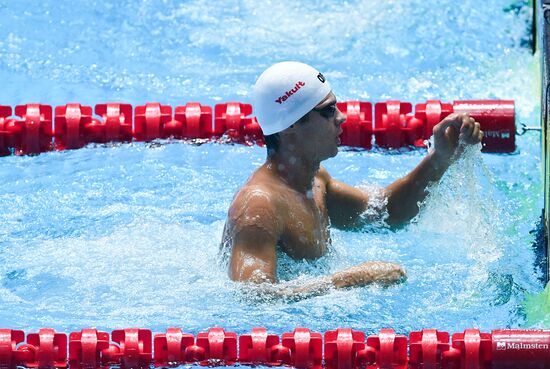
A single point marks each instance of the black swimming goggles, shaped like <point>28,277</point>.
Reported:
<point>328,111</point>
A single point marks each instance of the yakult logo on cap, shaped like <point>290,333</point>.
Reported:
<point>291,92</point>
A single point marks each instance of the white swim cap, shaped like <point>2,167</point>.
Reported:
<point>285,92</point>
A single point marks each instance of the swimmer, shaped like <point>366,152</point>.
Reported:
<point>289,203</point>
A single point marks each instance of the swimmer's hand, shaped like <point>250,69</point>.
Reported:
<point>368,273</point>
<point>455,131</point>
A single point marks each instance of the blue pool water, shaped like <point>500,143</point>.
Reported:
<point>128,235</point>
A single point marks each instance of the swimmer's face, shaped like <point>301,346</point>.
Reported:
<point>321,130</point>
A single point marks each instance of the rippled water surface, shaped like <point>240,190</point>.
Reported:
<point>127,235</point>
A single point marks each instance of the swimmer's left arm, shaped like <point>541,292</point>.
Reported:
<point>451,135</point>
<point>346,203</point>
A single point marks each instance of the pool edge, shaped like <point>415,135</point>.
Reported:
<point>542,16</point>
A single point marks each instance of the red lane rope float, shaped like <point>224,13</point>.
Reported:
<point>31,134</point>
<point>195,121</point>
<point>233,119</point>
<point>497,121</point>
<point>343,348</point>
<point>357,129</point>
<point>392,127</point>
<point>395,125</point>
<point>5,111</point>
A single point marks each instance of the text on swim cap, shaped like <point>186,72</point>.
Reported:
<point>291,92</point>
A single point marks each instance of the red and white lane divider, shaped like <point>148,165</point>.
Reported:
<point>36,129</point>
<point>343,348</point>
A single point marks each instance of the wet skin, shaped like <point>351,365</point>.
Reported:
<point>290,201</point>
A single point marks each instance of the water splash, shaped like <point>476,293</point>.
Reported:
<point>375,215</point>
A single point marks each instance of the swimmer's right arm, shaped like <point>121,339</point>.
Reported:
<point>253,256</point>
<point>254,233</point>
<point>382,273</point>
